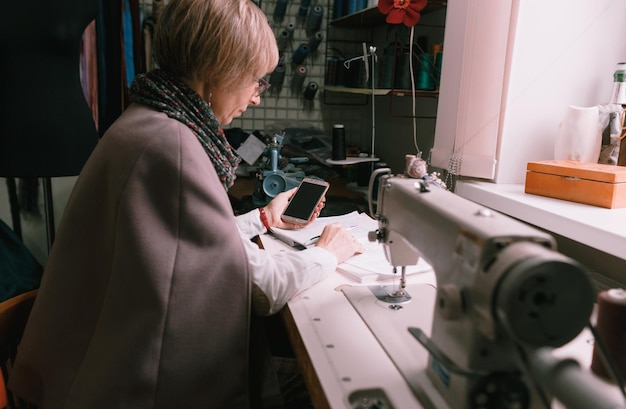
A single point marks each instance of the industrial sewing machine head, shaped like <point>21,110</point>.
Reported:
<point>505,299</point>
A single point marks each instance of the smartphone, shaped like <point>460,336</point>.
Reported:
<point>305,200</point>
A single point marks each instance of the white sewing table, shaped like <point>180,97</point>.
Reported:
<point>345,358</point>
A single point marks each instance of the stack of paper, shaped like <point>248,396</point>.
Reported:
<point>367,267</point>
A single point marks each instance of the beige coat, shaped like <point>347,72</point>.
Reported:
<point>145,298</point>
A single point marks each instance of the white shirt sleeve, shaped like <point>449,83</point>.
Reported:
<point>280,276</point>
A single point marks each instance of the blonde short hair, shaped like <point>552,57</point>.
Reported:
<point>221,42</point>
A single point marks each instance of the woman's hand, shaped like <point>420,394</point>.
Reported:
<point>339,241</point>
<point>277,206</point>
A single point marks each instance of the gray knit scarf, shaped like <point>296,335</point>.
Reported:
<point>170,95</point>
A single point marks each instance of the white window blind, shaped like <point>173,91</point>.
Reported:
<point>472,87</point>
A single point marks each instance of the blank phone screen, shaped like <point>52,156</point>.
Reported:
<point>303,203</point>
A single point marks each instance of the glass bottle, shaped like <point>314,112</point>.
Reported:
<point>618,95</point>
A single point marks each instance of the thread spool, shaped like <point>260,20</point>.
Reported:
<point>364,80</point>
<point>315,41</point>
<point>437,50</point>
<point>280,9</point>
<point>438,66</point>
<point>331,71</point>
<point>353,6</point>
<point>425,78</point>
<point>403,70</point>
<point>277,78</point>
<point>314,20</point>
<point>309,95</point>
<point>341,73</point>
<point>304,8</point>
<point>339,142</point>
<point>385,72</point>
<point>297,81</point>
<point>611,328</point>
<point>310,91</point>
<point>301,15</point>
<point>338,9</point>
<point>283,40</point>
<point>300,54</point>
<point>352,76</point>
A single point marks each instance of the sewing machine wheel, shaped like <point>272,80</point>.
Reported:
<point>545,299</point>
<point>274,184</point>
<point>500,391</point>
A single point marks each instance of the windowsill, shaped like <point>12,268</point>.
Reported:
<point>596,227</point>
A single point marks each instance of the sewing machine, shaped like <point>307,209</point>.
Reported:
<point>505,299</point>
<point>275,174</point>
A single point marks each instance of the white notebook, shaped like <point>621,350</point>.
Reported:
<point>369,266</point>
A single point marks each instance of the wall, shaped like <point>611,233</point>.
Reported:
<point>572,50</point>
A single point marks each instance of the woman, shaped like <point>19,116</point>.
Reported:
<point>146,296</point>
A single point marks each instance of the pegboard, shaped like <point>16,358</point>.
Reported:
<point>286,104</point>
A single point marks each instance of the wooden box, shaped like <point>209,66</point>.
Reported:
<point>590,183</point>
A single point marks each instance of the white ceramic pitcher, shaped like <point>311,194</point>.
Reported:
<point>580,135</point>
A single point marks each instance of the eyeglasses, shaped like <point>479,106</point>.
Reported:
<point>261,87</point>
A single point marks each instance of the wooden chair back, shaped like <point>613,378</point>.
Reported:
<point>13,316</point>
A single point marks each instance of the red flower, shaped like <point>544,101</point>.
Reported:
<point>402,11</point>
